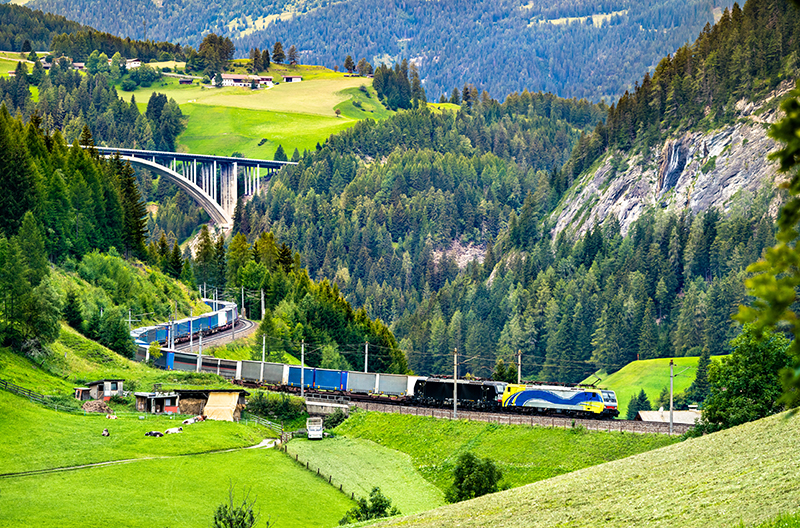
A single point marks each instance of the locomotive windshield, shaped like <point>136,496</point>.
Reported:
<point>609,397</point>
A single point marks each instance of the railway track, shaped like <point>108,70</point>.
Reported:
<point>398,406</point>
<point>243,329</point>
<point>626,426</point>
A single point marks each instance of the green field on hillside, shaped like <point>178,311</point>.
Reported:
<point>254,122</point>
<point>175,492</point>
<point>361,465</point>
<point>749,474</point>
<point>652,375</point>
<point>221,130</point>
<point>75,439</point>
<point>525,454</point>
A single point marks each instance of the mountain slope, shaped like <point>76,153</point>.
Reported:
<point>568,48</point>
<point>747,474</point>
<point>691,171</point>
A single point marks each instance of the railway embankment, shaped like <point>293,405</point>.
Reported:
<point>621,426</point>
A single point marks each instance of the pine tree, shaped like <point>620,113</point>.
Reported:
<point>239,255</point>
<point>648,337</point>
<point>638,403</point>
<point>73,312</point>
<point>113,333</point>
<point>133,209</point>
<point>175,261</point>
<point>278,56</point>
<point>349,65</point>
<point>280,155</point>
<point>220,262</point>
<point>204,258</point>
<point>31,244</point>
<point>699,389</point>
<point>18,182</point>
<point>292,55</point>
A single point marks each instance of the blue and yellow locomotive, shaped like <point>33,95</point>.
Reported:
<point>578,401</point>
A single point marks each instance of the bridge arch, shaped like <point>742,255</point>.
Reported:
<point>214,210</point>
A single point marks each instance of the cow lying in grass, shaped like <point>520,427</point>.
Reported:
<point>106,433</point>
<point>194,419</point>
<point>154,433</point>
<point>174,430</point>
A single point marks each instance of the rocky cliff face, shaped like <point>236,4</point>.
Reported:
<point>695,171</point>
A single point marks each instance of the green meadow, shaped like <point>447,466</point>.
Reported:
<point>222,121</point>
<point>652,375</point>
<point>176,492</point>
<point>744,476</point>
<point>524,454</point>
<point>75,439</point>
<point>223,130</point>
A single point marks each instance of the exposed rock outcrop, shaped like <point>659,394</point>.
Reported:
<point>695,171</point>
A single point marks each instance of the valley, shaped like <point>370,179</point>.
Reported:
<point>581,212</point>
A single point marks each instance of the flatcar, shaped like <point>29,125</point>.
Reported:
<point>555,399</point>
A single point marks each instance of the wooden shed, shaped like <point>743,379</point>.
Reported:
<point>106,388</point>
<point>157,402</point>
<point>216,404</point>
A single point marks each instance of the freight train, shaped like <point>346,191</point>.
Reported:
<point>223,316</point>
<point>425,391</point>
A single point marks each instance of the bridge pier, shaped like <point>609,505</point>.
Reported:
<point>214,186</point>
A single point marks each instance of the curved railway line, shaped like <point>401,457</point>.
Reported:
<point>389,393</point>
<point>244,327</point>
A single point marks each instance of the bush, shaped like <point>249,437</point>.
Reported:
<point>333,420</point>
<point>472,478</point>
<point>121,400</point>
<point>376,507</point>
<point>276,406</point>
<point>128,85</point>
<point>241,515</point>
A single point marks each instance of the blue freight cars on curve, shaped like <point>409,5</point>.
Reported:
<point>429,391</point>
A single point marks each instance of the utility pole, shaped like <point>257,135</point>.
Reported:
<point>262,303</point>
<point>243,298</point>
<point>671,376</point>
<point>191,330</point>
<point>366,354</point>
<point>200,352</point>
<point>455,383</point>
<point>302,369</point>
<point>519,367</point>
<point>263,349</point>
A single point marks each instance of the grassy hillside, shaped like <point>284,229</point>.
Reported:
<point>652,375</point>
<point>748,474</point>
<point>77,360</point>
<point>363,464</point>
<point>524,454</point>
<point>176,492</point>
<point>75,439</point>
<point>295,115</point>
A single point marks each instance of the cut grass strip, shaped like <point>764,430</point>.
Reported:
<point>361,465</point>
